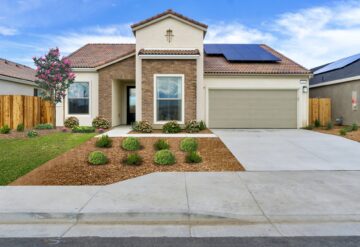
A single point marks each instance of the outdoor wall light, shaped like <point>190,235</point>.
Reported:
<point>305,89</point>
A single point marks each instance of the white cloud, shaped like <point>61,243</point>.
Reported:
<point>6,31</point>
<point>312,36</point>
<point>235,32</point>
<point>71,41</point>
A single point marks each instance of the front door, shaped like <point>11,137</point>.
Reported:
<point>131,104</point>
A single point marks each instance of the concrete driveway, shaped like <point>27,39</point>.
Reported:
<point>279,150</point>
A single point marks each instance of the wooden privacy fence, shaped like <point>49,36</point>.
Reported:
<point>320,108</point>
<point>29,110</point>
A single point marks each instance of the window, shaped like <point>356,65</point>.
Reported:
<point>36,92</point>
<point>78,96</point>
<point>169,98</point>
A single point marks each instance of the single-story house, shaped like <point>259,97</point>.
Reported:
<point>170,74</point>
<point>340,81</point>
<point>17,79</point>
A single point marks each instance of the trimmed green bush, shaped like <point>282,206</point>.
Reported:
<point>309,127</point>
<point>71,122</point>
<point>343,132</point>
<point>192,126</point>
<point>317,123</point>
<point>164,157</point>
<point>20,128</point>
<point>171,127</point>
<point>133,159</point>
<point>32,133</point>
<point>101,123</point>
<point>188,144</point>
<point>354,127</point>
<point>45,126</point>
<point>83,129</point>
<point>202,125</point>
<point>329,125</point>
<point>193,157</point>
<point>104,142</point>
<point>161,144</point>
<point>142,126</point>
<point>130,144</point>
<point>5,129</point>
<point>97,158</point>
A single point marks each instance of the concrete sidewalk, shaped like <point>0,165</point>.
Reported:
<point>318,203</point>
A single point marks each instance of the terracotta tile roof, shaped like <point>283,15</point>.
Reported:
<point>15,70</point>
<point>219,65</point>
<point>169,52</point>
<point>168,12</point>
<point>94,55</point>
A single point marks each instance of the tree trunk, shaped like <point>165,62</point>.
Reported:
<point>63,111</point>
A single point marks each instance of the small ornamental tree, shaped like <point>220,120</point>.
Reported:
<point>54,76</point>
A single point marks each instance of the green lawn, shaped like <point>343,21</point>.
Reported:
<point>20,156</point>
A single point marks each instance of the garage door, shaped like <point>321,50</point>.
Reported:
<point>229,108</point>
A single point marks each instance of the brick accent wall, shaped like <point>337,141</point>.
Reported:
<point>123,70</point>
<point>167,66</point>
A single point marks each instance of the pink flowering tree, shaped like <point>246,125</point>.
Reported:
<point>54,76</point>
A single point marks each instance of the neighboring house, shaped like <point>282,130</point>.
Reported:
<point>170,74</point>
<point>340,81</point>
<point>16,79</point>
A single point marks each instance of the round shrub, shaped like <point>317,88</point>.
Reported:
<point>164,157</point>
<point>104,142</point>
<point>171,127</point>
<point>192,126</point>
<point>343,132</point>
<point>101,123</point>
<point>133,159</point>
<point>202,125</point>
<point>188,144</point>
<point>161,144</point>
<point>5,129</point>
<point>32,133</point>
<point>130,144</point>
<point>142,126</point>
<point>97,158</point>
<point>20,128</point>
<point>71,122</point>
<point>329,125</point>
<point>193,157</point>
<point>354,127</point>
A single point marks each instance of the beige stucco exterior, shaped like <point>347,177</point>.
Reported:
<point>86,119</point>
<point>262,82</point>
<point>185,36</point>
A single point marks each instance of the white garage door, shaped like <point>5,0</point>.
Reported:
<point>229,108</point>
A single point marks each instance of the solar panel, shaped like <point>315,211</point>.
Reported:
<point>241,52</point>
<point>338,64</point>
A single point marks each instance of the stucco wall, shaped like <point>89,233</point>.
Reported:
<point>341,95</point>
<point>86,119</point>
<point>13,88</point>
<point>263,82</point>
<point>185,36</point>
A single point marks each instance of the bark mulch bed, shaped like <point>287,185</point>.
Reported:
<point>353,135</point>
<point>159,131</point>
<point>72,167</point>
<point>14,134</point>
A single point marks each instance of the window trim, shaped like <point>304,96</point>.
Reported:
<point>67,101</point>
<point>182,76</point>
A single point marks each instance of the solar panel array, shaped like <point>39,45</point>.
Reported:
<point>241,52</point>
<point>338,64</point>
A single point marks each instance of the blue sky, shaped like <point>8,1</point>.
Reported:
<point>310,32</point>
